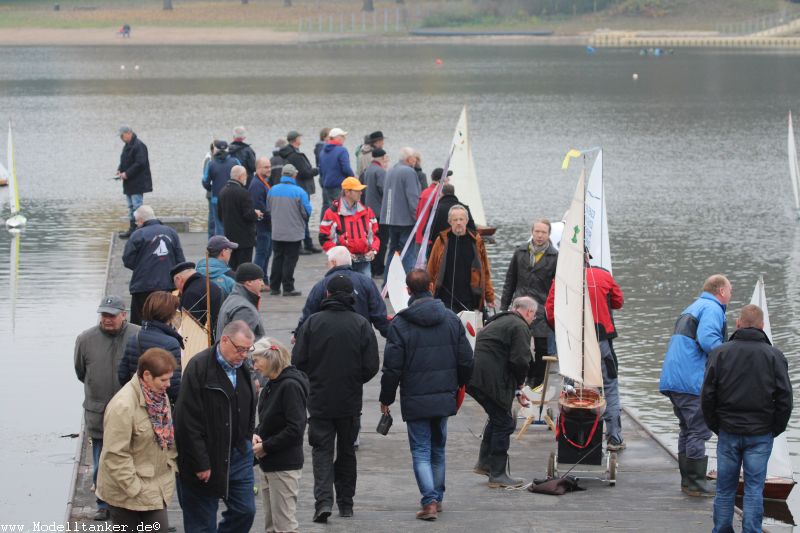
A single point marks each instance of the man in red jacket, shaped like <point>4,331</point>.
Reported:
<point>603,290</point>
<point>349,223</point>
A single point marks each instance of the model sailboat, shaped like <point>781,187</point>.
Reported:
<point>596,217</point>
<point>17,219</point>
<point>794,173</point>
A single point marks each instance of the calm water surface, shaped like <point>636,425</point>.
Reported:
<point>696,171</point>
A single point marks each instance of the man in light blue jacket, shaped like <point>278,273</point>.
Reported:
<point>700,328</point>
<point>290,209</point>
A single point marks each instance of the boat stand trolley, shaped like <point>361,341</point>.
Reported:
<point>579,448</point>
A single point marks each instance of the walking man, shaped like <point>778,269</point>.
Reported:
<point>98,351</point>
<point>259,190</point>
<point>334,166</point>
<point>502,358</point>
<point>214,423</point>
<point>700,328</point>
<point>337,349</point>
<point>428,356</point>
<point>290,210</point>
<point>400,199</point>
<point>151,252</point>
<point>134,171</point>
<point>239,217</point>
<point>747,401</point>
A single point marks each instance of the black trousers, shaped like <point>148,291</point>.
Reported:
<point>379,263</point>
<point>500,426</point>
<point>239,256</point>
<point>137,304</point>
<point>536,370</point>
<point>325,435</point>
<point>139,520</point>
<point>284,260</point>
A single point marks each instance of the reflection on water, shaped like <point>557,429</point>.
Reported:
<point>695,169</point>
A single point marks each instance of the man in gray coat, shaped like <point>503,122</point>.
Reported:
<point>375,179</point>
<point>399,207</point>
<point>98,351</point>
<point>242,303</point>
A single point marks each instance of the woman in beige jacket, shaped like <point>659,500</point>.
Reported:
<point>137,466</point>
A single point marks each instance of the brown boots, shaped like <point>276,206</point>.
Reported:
<point>428,512</point>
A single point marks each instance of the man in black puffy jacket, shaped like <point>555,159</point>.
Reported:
<point>427,354</point>
<point>337,349</point>
<point>238,216</point>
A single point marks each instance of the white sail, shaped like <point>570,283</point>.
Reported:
<point>13,187</point>
<point>596,219</point>
<point>578,349</point>
<point>794,173</point>
<point>464,178</point>
<point>473,323</point>
<point>396,284</point>
<point>780,462</point>
<point>556,229</point>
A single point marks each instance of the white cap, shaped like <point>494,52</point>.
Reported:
<point>337,132</point>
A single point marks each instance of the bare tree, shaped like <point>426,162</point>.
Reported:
<point>368,5</point>
<point>167,5</point>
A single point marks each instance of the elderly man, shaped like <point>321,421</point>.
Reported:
<point>502,358</point>
<point>98,351</point>
<point>400,199</point>
<point>459,266</point>
<point>334,166</point>
<point>440,217</point>
<point>219,251</point>
<point>151,252</point>
<point>134,171</point>
<point>259,190</point>
<point>350,224</point>
<point>428,356</point>
<point>290,209</point>
<point>365,152</point>
<point>368,300</point>
<point>215,176</point>
<point>700,328</point>
<point>337,349</point>
<point>244,300</point>
<point>305,178</point>
<point>243,152</point>
<point>214,423</point>
<point>195,299</point>
<point>239,216</point>
<point>530,273</point>
<point>747,401</point>
<point>374,177</point>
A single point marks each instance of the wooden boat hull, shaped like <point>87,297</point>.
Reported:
<point>486,231</point>
<point>775,488</point>
<point>582,399</point>
<point>3,182</point>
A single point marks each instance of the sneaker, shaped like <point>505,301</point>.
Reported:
<point>614,445</point>
<point>102,515</point>
<point>321,515</point>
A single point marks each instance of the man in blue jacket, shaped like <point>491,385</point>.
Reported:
<point>700,328</point>
<point>289,208</point>
<point>334,167</point>
<point>151,252</point>
<point>427,354</point>
<point>215,176</point>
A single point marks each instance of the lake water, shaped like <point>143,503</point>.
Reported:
<point>695,165</point>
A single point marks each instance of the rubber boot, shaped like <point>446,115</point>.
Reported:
<point>482,466</point>
<point>682,466</point>
<point>697,484</point>
<point>131,229</point>
<point>499,474</point>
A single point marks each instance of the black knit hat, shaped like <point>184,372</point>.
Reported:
<point>248,272</point>
<point>340,283</point>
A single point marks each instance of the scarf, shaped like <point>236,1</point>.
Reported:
<point>535,251</point>
<point>158,412</point>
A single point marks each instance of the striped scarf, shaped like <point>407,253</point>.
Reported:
<point>158,412</point>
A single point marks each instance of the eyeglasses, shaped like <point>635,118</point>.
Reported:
<point>241,350</point>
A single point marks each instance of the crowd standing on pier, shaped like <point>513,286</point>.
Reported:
<point>210,423</point>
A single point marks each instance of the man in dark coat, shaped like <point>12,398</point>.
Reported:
<point>338,351</point>
<point>191,287</point>
<point>134,171</point>
<point>502,358</point>
<point>305,177</point>
<point>747,401</point>
<point>215,176</point>
<point>259,191</point>
<point>239,217</point>
<point>151,252</point>
<point>214,423</point>
<point>530,273</point>
<point>428,356</point>
<point>440,222</point>
<point>243,152</point>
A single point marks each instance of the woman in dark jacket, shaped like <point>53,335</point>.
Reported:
<point>278,442</point>
<point>159,313</point>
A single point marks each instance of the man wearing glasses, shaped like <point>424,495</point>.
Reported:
<point>243,302</point>
<point>214,424</point>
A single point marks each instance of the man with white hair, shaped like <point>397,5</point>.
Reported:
<point>334,166</point>
<point>151,252</point>
<point>398,208</point>
<point>238,216</point>
<point>368,300</point>
<point>243,152</point>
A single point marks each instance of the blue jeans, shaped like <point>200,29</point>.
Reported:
<point>215,228</point>
<point>135,201</point>
<point>611,416</point>
<point>308,242</point>
<point>364,267</point>
<point>200,511</point>
<point>398,235</point>
<point>427,438</point>
<point>734,452</point>
<point>97,447</point>
<point>263,252</point>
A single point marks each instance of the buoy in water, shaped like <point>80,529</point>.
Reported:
<point>590,50</point>
<point>438,61</point>
<point>635,76</point>
<point>136,67</point>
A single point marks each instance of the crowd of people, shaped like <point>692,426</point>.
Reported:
<point>159,423</point>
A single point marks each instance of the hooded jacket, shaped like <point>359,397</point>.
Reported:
<point>400,196</point>
<point>235,209</point>
<point>246,156</point>
<point>428,356</point>
<point>135,163</point>
<point>220,273</point>
<point>151,252</point>
<point>290,209</point>
<point>522,279</point>
<point>334,165</point>
<point>338,351</point>
<point>282,420</point>
<point>217,173</point>
<point>97,357</point>
<point>305,172</point>
<point>480,272</point>
<point>240,305</point>
<point>746,390</point>
<point>358,232</point>
<point>153,334</point>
